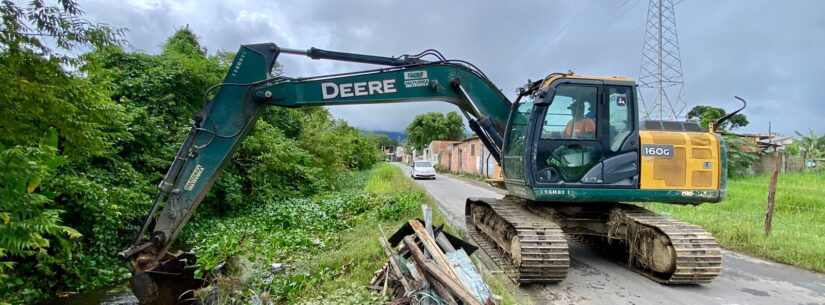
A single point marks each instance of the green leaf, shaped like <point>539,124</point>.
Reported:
<point>33,184</point>
<point>71,232</point>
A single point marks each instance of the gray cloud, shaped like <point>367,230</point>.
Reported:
<point>765,51</point>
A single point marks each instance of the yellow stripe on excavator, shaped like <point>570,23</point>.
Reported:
<point>555,77</point>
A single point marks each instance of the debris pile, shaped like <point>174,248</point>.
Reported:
<point>429,266</point>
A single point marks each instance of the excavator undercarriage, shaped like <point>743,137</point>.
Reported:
<point>529,240</point>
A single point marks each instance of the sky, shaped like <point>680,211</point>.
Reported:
<point>771,53</point>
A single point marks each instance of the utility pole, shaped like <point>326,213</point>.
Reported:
<point>661,85</point>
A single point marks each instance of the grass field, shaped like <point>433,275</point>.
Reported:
<point>798,234</point>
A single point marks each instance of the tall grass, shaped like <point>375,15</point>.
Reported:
<point>329,243</point>
<point>798,234</point>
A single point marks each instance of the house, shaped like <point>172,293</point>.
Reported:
<point>389,152</point>
<point>468,156</point>
<point>434,150</point>
<point>400,154</point>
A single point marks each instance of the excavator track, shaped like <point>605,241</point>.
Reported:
<point>696,255</point>
<point>692,254</point>
<point>527,247</point>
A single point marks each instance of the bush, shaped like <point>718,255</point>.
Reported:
<point>30,222</point>
<point>119,124</point>
<point>741,155</point>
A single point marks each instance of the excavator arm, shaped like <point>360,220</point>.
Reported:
<point>219,128</point>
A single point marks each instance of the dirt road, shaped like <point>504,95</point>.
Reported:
<point>597,280</point>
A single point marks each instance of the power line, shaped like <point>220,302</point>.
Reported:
<point>604,23</point>
<point>542,52</point>
<point>504,64</point>
<point>548,52</point>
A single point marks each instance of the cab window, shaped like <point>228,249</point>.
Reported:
<point>621,118</point>
<point>571,114</point>
<point>514,150</point>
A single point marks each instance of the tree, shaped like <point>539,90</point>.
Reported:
<point>705,115</point>
<point>184,42</point>
<point>808,146</point>
<point>739,158</point>
<point>741,155</point>
<point>36,91</point>
<point>43,91</point>
<point>431,126</point>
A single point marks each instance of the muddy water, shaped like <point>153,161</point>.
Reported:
<point>106,296</point>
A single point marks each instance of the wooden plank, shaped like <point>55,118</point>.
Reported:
<point>386,281</point>
<point>443,292</point>
<point>394,264</point>
<point>433,269</point>
<point>431,247</point>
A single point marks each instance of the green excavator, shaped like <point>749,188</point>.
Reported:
<point>572,148</point>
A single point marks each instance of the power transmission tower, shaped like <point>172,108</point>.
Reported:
<point>661,86</point>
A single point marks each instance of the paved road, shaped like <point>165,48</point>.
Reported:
<point>597,280</point>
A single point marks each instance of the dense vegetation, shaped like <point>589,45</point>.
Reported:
<point>798,234</point>
<point>85,138</point>
<point>327,243</point>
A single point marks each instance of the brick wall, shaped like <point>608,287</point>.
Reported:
<point>465,157</point>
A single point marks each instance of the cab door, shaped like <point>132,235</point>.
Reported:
<point>517,143</point>
<point>580,135</point>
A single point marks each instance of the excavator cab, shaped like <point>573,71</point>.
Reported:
<point>573,138</point>
<point>575,132</point>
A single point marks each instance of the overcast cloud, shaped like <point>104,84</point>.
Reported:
<point>772,53</point>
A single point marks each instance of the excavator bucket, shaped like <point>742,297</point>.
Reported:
<point>171,282</point>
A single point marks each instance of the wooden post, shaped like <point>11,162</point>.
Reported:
<point>771,186</point>
<point>771,194</point>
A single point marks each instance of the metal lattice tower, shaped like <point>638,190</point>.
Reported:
<point>661,87</point>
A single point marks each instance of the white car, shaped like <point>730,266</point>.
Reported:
<point>422,169</point>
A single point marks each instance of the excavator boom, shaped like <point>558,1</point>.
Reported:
<point>223,123</point>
